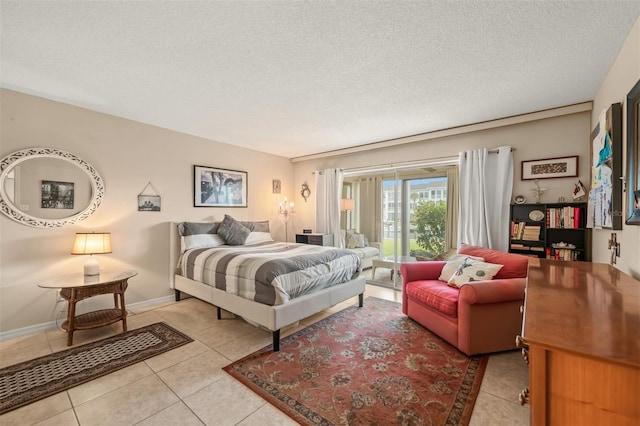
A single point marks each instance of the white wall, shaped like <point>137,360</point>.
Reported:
<point>624,73</point>
<point>128,155</point>
<point>559,136</point>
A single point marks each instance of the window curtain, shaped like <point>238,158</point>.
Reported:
<point>370,208</point>
<point>451,227</point>
<point>486,183</point>
<point>329,191</point>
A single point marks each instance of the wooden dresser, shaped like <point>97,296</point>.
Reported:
<point>581,338</point>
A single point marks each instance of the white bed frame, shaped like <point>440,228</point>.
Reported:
<point>271,317</point>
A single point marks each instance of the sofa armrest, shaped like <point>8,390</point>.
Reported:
<point>377,245</point>
<point>415,271</point>
<point>494,291</point>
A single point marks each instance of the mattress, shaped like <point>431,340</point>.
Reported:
<point>271,273</point>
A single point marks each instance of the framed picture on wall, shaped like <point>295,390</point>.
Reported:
<point>633,156</point>
<point>549,168</point>
<point>213,187</point>
<point>605,196</point>
<point>57,195</point>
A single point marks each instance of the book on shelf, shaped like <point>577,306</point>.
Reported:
<point>564,217</point>
<point>522,231</point>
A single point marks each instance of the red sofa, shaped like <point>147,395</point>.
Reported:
<point>479,317</point>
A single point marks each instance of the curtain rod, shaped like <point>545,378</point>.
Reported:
<point>442,161</point>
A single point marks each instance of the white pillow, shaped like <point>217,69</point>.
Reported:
<point>453,263</point>
<point>473,270</point>
<point>201,241</point>
<point>256,237</point>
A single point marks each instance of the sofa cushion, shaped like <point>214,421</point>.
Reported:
<point>363,252</point>
<point>355,240</point>
<point>435,294</point>
<point>453,264</point>
<point>473,270</point>
<point>515,265</point>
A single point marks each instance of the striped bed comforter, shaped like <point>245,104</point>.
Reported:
<point>271,273</point>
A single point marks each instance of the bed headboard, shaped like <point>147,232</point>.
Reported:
<point>175,243</point>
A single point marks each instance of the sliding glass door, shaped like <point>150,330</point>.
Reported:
<point>414,216</point>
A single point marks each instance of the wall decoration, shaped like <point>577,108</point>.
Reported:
<point>305,192</point>
<point>276,186</point>
<point>148,199</point>
<point>549,168</point>
<point>214,187</point>
<point>633,156</point>
<point>148,203</point>
<point>56,195</point>
<point>605,196</point>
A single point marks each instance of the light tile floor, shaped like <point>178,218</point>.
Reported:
<point>186,386</point>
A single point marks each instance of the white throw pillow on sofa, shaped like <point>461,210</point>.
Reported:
<point>473,270</point>
<point>452,265</point>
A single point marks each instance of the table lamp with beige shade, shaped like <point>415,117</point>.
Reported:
<point>92,243</point>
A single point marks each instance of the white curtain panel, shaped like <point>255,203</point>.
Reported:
<point>486,183</point>
<point>329,191</point>
<point>451,228</point>
<point>370,208</point>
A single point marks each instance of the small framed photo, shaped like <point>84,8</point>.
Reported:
<point>549,168</point>
<point>57,195</point>
<point>148,203</point>
<point>213,187</point>
<point>277,186</point>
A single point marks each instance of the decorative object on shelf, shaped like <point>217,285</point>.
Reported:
<point>536,215</point>
<point>305,192</point>
<point>550,168</point>
<point>537,191</point>
<point>219,187</point>
<point>579,191</point>
<point>148,202</point>
<point>92,243</point>
<point>276,186</point>
<point>633,156</point>
<point>519,199</point>
<point>286,209</point>
<point>614,246</point>
<point>88,186</point>
<point>605,197</point>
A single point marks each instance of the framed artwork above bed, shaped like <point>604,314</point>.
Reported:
<point>213,187</point>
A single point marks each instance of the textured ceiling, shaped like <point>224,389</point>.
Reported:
<point>298,77</point>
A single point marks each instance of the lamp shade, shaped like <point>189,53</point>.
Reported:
<point>347,204</point>
<point>92,243</point>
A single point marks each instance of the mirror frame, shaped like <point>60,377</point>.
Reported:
<point>8,208</point>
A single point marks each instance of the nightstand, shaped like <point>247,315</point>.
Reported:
<point>315,239</point>
<point>77,287</point>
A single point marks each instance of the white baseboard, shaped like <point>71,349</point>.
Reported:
<point>52,325</point>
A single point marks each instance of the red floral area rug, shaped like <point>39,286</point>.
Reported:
<point>365,366</point>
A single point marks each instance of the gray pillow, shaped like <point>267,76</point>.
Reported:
<point>232,231</point>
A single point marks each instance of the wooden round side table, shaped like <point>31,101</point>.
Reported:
<point>77,287</point>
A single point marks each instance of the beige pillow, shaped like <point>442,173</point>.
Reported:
<point>453,263</point>
<point>473,270</point>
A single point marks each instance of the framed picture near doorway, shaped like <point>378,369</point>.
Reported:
<point>213,187</point>
<point>633,156</point>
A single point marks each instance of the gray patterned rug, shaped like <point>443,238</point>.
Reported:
<point>29,381</point>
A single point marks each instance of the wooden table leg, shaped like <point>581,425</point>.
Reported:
<point>71,316</point>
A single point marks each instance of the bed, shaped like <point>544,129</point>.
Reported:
<point>276,312</point>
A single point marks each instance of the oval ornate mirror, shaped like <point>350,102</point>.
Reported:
<point>48,188</point>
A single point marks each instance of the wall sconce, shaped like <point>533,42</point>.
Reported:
<point>92,243</point>
<point>305,192</point>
